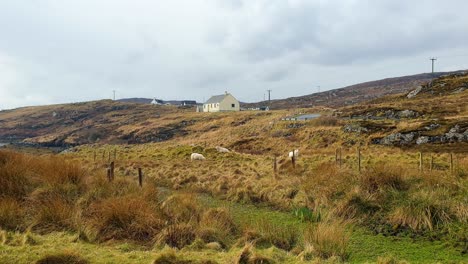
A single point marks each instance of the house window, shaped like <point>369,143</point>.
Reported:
<point>233,105</point>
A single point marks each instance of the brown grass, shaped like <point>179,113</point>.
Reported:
<point>328,239</point>
<point>126,217</point>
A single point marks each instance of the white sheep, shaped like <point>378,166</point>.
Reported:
<point>196,156</point>
<point>294,153</point>
<point>222,150</point>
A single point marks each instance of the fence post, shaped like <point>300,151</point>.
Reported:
<point>94,156</point>
<point>274,164</point>
<point>420,161</point>
<point>112,166</point>
<point>451,163</point>
<point>341,161</point>
<point>140,177</point>
<point>293,161</point>
<point>359,159</point>
<point>109,175</point>
<point>432,163</point>
<point>336,156</point>
<point>115,154</point>
<point>103,154</point>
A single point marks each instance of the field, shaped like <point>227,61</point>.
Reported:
<point>354,194</point>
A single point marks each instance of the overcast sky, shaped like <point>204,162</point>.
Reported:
<point>60,51</point>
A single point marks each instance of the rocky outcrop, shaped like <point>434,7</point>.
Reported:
<point>454,135</point>
<point>354,128</point>
<point>386,113</point>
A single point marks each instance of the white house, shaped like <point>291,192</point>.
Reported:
<point>221,103</point>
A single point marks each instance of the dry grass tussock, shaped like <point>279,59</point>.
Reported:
<point>326,240</point>
<point>85,202</point>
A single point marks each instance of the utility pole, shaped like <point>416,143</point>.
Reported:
<point>114,94</point>
<point>269,96</point>
<point>433,60</point>
<point>318,88</point>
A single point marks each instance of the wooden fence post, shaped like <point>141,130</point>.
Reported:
<point>112,166</point>
<point>109,175</point>
<point>359,158</point>
<point>94,156</point>
<point>420,161</point>
<point>451,163</point>
<point>140,177</point>
<point>274,164</point>
<point>293,161</point>
<point>432,163</point>
<point>341,161</point>
<point>103,154</point>
<point>336,156</point>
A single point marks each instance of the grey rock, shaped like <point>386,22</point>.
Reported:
<point>455,129</point>
<point>422,140</point>
<point>407,114</point>
<point>398,138</point>
<point>432,126</point>
<point>414,92</point>
<point>349,128</point>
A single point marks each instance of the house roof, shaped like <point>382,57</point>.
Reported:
<point>216,99</point>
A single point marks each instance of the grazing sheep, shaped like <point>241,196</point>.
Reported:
<point>222,150</point>
<point>294,154</point>
<point>197,156</point>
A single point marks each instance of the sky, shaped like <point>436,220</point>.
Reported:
<point>63,51</point>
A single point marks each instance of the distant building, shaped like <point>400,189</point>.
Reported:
<point>221,103</point>
<point>157,102</point>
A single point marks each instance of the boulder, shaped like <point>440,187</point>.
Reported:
<point>414,92</point>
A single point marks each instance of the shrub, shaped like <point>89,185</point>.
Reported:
<point>328,239</point>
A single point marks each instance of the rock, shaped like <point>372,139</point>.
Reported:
<point>398,139</point>
<point>455,129</point>
<point>422,140</point>
<point>414,92</point>
<point>432,126</point>
<point>407,114</point>
<point>354,128</point>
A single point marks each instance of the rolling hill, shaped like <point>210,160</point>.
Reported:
<point>354,94</point>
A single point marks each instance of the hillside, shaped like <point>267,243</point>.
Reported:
<point>354,94</point>
<point>437,115</point>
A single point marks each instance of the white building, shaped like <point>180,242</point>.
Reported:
<point>221,103</point>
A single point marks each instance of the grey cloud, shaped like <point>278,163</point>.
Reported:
<point>61,51</point>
